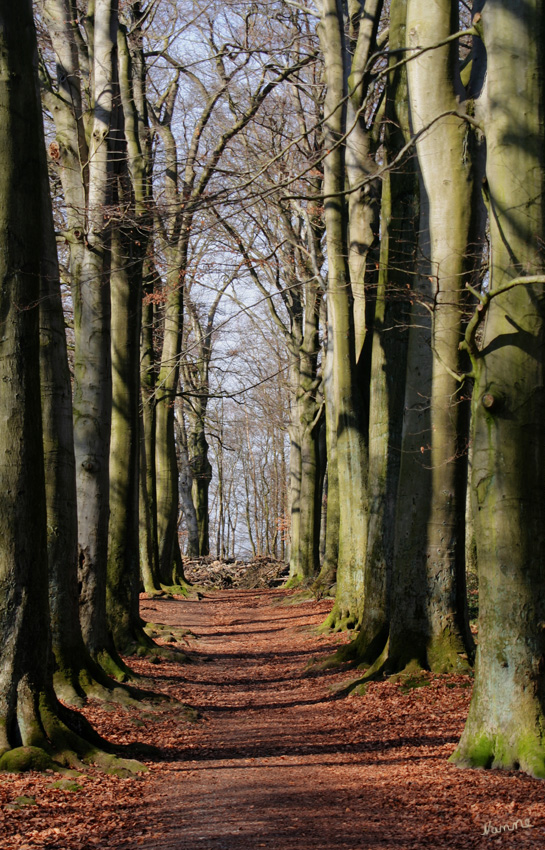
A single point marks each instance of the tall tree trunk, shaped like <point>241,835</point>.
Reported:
<point>306,415</point>
<point>166,465</point>
<point>34,726</point>
<point>128,247</point>
<point>348,407</point>
<point>76,674</point>
<point>123,578</point>
<point>428,624</point>
<point>25,656</point>
<point>328,572</point>
<point>397,264</point>
<point>186,481</point>
<point>149,549</point>
<point>506,722</point>
<point>92,361</point>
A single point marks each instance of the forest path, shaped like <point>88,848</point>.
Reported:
<point>278,762</point>
<point>265,767</point>
<point>275,759</point>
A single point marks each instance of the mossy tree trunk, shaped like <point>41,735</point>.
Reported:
<point>128,247</point>
<point>348,243</point>
<point>76,674</point>
<point>327,576</point>
<point>34,727</point>
<point>428,625</point>
<point>506,722</point>
<point>397,265</point>
<point>86,70</point>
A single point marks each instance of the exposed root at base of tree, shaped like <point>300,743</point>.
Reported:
<point>50,736</point>
<point>520,751</point>
<point>362,650</point>
<point>443,655</point>
<point>139,641</point>
<point>76,684</point>
<point>324,584</point>
<point>182,588</point>
<point>339,620</point>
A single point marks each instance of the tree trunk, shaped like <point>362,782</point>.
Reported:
<point>201,473</point>
<point>166,465</point>
<point>306,416</point>
<point>123,577</point>
<point>328,572</point>
<point>149,550</point>
<point>76,676</point>
<point>348,407</point>
<point>92,360</point>
<point>506,722</point>
<point>397,264</point>
<point>305,523</point>
<point>428,624</point>
<point>186,481</point>
<point>34,726</point>
<point>128,246</point>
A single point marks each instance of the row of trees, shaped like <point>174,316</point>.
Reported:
<point>417,326</point>
<point>372,173</point>
<point>94,468</point>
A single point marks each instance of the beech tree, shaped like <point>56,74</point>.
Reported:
<point>104,127</point>
<point>350,233</point>
<point>506,717</point>
<point>390,328</point>
<point>428,623</point>
<point>84,137</point>
<point>387,323</point>
<point>35,727</point>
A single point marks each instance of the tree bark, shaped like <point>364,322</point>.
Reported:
<point>34,727</point>
<point>186,481</point>
<point>348,405</point>
<point>325,582</point>
<point>428,624</point>
<point>397,264</point>
<point>149,549</point>
<point>507,713</point>
<point>128,247</point>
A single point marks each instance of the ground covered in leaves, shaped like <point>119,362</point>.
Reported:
<point>270,755</point>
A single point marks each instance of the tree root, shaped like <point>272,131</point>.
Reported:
<point>517,751</point>
<point>338,620</point>
<point>443,655</point>
<point>53,737</point>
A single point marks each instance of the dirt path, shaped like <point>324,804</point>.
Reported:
<point>275,759</point>
<point>267,768</point>
<point>279,762</point>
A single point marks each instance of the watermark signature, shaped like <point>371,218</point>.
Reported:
<point>506,827</point>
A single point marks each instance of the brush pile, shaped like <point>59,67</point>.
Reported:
<point>259,572</point>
